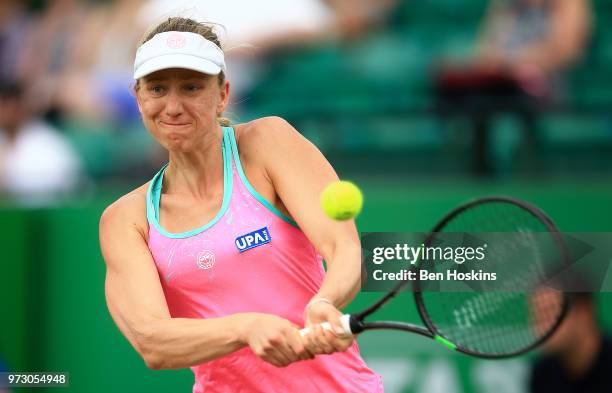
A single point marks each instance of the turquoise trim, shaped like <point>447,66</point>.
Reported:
<point>248,185</point>
<point>154,194</point>
<point>151,213</point>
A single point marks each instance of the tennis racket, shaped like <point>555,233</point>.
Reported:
<point>487,324</point>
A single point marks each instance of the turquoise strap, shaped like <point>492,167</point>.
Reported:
<point>155,187</point>
<point>248,185</point>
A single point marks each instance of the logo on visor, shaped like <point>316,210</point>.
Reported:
<point>176,41</point>
<point>254,239</point>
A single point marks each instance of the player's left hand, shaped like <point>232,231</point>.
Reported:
<point>319,340</point>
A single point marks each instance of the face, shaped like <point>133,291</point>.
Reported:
<point>574,324</point>
<point>565,334</point>
<point>180,107</point>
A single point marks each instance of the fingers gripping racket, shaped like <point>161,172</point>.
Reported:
<point>487,324</point>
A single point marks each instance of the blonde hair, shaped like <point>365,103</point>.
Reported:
<point>189,26</point>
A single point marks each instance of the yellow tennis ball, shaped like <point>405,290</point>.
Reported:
<point>341,200</point>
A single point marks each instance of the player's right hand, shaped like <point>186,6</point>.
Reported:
<point>322,341</point>
<point>275,340</point>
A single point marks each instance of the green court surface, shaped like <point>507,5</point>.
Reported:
<point>56,318</point>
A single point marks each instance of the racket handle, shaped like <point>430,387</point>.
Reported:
<point>345,320</point>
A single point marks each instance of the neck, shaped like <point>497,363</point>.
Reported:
<point>578,359</point>
<point>197,172</point>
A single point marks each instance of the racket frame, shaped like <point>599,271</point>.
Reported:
<point>357,321</point>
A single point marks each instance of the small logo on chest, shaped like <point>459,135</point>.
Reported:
<point>254,239</point>
<point>206,259</point>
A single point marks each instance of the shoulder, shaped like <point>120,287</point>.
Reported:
<point>265,128</point>
<point>268,135</point>
<point>129,211</point>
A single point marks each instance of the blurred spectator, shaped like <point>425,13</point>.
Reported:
<point>534,40</point>
<point>15,26</point>
<point>523,47</point>
<point>577,358</point>
<point>523,50</point>
<point>283,23</point>
<point>36,163</point>
<point>250,30</point>
<point>103,58</point>
<point>49,53</point>
<point>70,44</point>
<point>74,58</point>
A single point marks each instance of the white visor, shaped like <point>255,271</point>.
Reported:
<point>174,49</point>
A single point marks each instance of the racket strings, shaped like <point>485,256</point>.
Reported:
<point>497,323</point>
<point>492,330</point>
<point>504,321</point>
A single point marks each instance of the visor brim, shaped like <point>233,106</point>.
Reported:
<point>176,60</point>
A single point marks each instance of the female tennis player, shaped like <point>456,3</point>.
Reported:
<point>216,263</point>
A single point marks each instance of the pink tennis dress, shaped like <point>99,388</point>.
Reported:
<point>249,258</point>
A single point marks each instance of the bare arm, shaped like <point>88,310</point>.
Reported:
<point>137,304</point>
<point>569,31</point>
<point>570,28</point>
<point>299,172</point>
<point>486,41</point>
<point>298,181</point>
